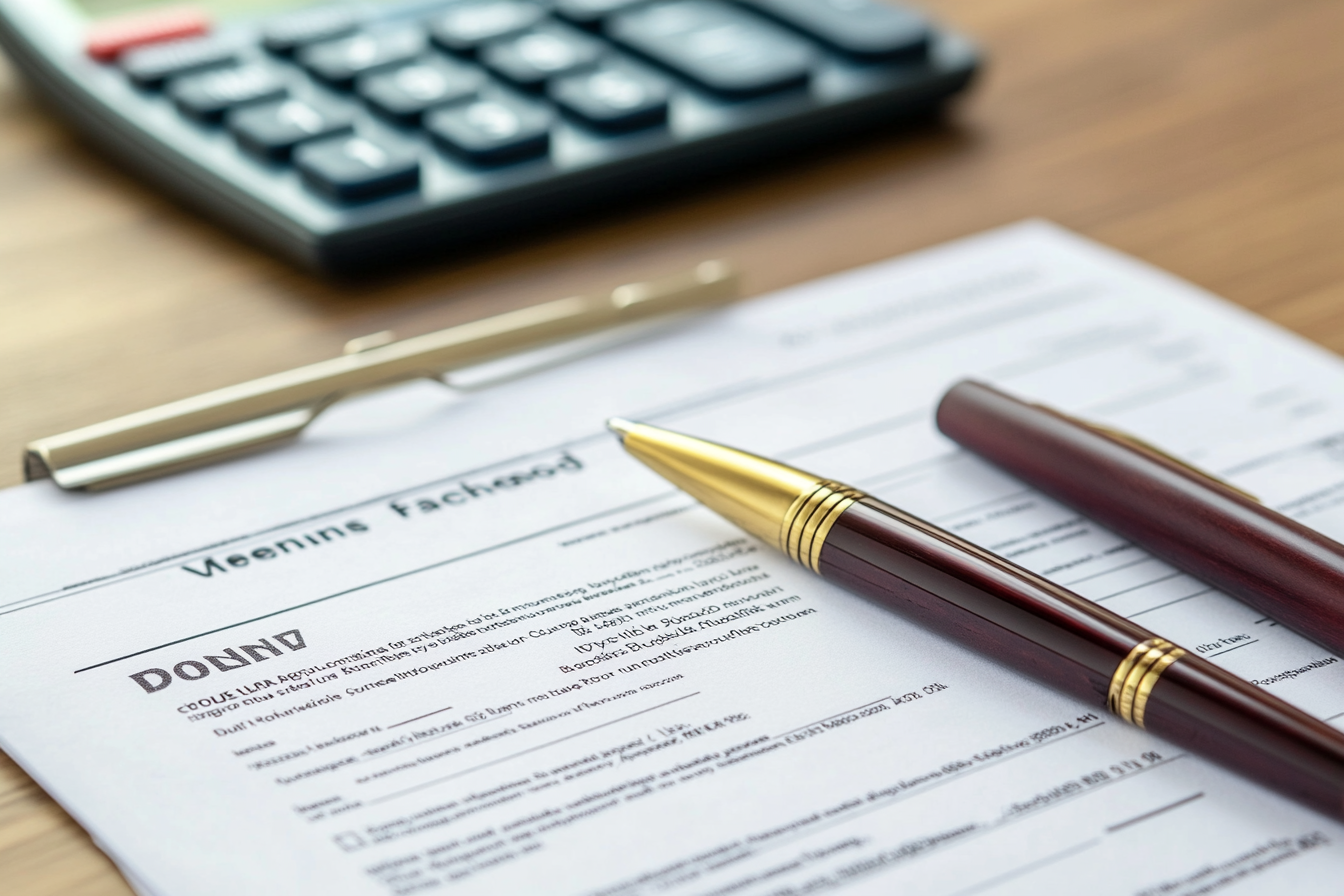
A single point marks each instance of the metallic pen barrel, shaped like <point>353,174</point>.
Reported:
<point>1006,612</point>
<point>783,506</point>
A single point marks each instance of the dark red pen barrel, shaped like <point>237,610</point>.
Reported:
<point>1280,567</point>
<point>1218,716</point>
<point>1045,631</point>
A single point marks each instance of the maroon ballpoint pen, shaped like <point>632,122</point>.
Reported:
<point>1196,523</point>
<point>1021,619</point>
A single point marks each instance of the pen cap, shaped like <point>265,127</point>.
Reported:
<point>1208,529</point>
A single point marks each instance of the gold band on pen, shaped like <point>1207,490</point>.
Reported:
<point>808,521</point>
<point>1137,675</point>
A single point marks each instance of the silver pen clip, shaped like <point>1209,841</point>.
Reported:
<point>251,415</point>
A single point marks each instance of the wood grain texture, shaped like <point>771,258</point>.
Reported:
<point>1205,136</point>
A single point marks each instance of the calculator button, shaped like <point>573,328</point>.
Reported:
<point>405,93</point>
<point>151,66</point>
<point>725,49</point>
<point>614,97</point>
<point>108,40</point>
<point>492,131</point>
<point>339,62</point>
<point>866,28</point>
<point>274,130</point>
<point>208,96</point>
<point>591,12</point>
<point>355,167</point>
<point>464,27</point>
<point>530,58</point>
<point>287,33</point>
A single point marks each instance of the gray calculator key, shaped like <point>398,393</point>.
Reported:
<point>151,66</point>
<point>725,49</point>
<point>289,32</point>
<point>339,62</point>
<point>591,12</point>
<point>531,58</point>
<point>465,26</point>
<point>405,93</point>
<point>865,28</point>
<point>614,97</point>
<point>273,130</point>
<point>356,167</point>
<point>209,95</point>
<point>492,131</point>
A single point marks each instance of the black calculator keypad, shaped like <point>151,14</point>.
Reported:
<point>272,131</point>
<point>464,27</point>
<point>492,131</point>
<point>405,93</point>
<point>357,167</point>
<point>340,62</point>
<point>614,97</point>
<point>151,66</point>
<point>209,95</point>
<point>287,33</point>
<point>350,131</point>
<point>723,48</point>
<point>867,29</point>
<point>531,58</point>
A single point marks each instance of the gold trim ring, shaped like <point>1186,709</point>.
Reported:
<point>1137,675</point>
<point>807,523</point>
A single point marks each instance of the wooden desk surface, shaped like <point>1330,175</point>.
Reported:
<point>1205,136</point>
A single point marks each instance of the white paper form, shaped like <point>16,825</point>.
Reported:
<point>469,646</point>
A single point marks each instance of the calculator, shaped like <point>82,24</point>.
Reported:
<point>353,137</point>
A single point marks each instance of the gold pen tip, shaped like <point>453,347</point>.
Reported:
<point>620,426</point>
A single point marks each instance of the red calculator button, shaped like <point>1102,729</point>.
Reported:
<point>108,40</point>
